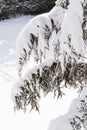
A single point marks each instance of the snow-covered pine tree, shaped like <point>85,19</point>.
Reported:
<point>10,8</point>
<point>62,31</point>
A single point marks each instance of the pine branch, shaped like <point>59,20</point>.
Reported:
<point>49,78</point>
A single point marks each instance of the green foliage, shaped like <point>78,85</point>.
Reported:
<point>50,79</point>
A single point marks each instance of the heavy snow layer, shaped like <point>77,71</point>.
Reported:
<point>35,37</point>
<point>72,43</point>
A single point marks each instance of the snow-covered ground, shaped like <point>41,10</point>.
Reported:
<point>49,108</point>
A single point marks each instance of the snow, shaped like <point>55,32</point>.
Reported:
<point>50,108</point>
<point>41,28</point>
<point>35,27</point>
<point>72,29</point>
<point>60,123</point>
<point>75,110</point>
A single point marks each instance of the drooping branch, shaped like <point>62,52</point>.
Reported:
<point>49,78</point>
<point>35,37</point>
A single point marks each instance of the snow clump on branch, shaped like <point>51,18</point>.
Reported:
<point>34,37</point>
<point>72,43</point>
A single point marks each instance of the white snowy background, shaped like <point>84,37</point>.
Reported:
<point>49,108</point>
